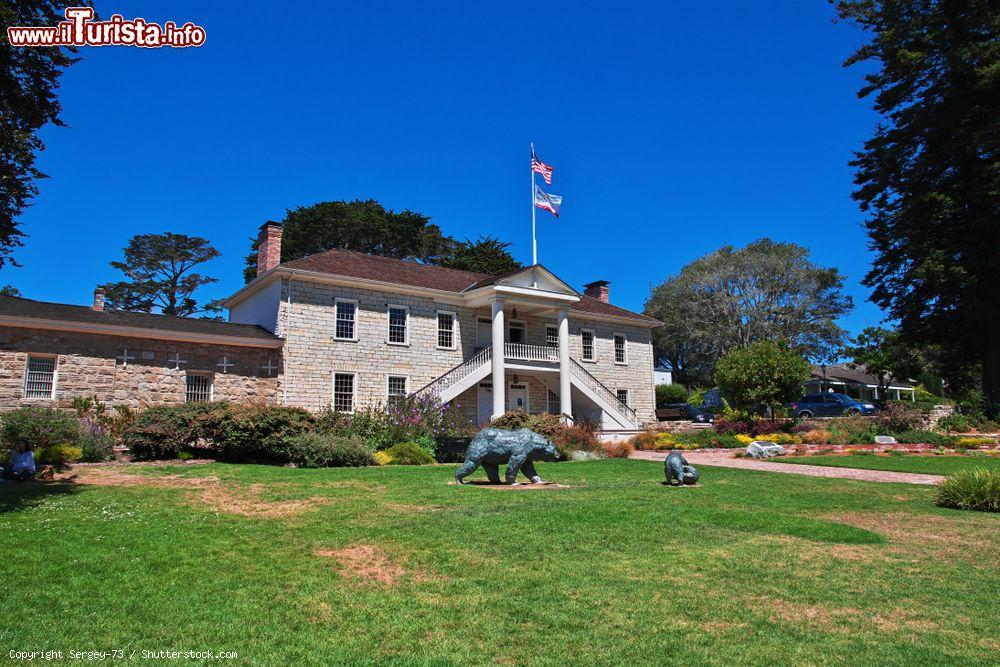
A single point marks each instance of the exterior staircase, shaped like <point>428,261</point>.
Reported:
<point>478,367</point>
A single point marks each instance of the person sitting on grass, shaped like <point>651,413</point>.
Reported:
<point>21,464</point>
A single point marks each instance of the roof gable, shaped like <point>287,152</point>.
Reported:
<point>537,277</point>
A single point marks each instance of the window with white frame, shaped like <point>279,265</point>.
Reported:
<point>40,377</point>
<point>587,343</point>
<point>343,392</point>
<point>551,335</point>
<point>397,388</point>
<point>554,407</point>
<point>446,330</point>
<point>198,387</point>
<point>622,396</point>
<point>347,312</point>
<point>398,320</point>
<point>621,349</point>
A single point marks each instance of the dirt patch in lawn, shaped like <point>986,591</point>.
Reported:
<point>485,484</point>
<point>937,535</point>
<point>208,490</point>
<point>365,562</point>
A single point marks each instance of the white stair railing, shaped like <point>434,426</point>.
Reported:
<point>458,373</point>
<point>598,388</point>
<point>525,352</point>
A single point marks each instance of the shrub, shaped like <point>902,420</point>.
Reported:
<point>921,437</point>
<point>382,459</point>
<point>706,438</point>
<point>40,428</point>
<point>58,454</point>
<point>818,436</point>
<point>451,449</point>
<point>955,423</point>
<point>96,446</point>
<point>851,430</point>
<point>409,454</point>
<point>618,450</point>
<point>185,456</point>
<point>645,440</point>
<point>162,432</point>
<point>973,443</point>
<point>670,393</point>
<point>896,417</point>
<point>253,432</point>
<point>977,489</point>
<point>322,450</point>
<point>697,397</point>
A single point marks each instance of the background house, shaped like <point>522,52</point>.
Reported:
<point>856,383</point>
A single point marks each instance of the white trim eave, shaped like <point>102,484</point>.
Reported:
<point>512,291</point>
<point>136,332</point>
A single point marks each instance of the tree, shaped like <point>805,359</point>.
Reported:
<point>762,374</point>
<point>29,78</point>
<point>928,178</point>
<point>733,298</point>
<point>485,255</point>
<point>10,290</point>
<point>884,354</point>
<point>362,226</point>
<point>158,268</point>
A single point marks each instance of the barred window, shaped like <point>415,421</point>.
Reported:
<point>40,379</point>
<point>446,330</point>
<point>621,354</point>
<point>623,396</point>
<point>397,388</point>
<point>553,403</point>
<point>587,339</point>
<point>551,336</point>
<point>343,392</point>
<point>346,313</point>
<point>397,324</point>
<point>198,387</point>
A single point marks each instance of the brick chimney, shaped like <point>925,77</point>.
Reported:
<point>98,298</point>
<point>268,246</point>
<point>597,289</point>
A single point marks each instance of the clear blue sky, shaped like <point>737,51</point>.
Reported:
<point>674,128</point>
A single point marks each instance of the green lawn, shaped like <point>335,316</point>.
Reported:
<point>929,464</point>
<point>747,567</point>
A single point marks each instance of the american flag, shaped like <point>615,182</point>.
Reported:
<point>540,167</point>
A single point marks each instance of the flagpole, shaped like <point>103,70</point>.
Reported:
<point>534,242</point>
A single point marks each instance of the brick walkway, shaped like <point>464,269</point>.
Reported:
<point>725,459</point>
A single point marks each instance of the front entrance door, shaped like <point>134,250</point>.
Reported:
<point>485,411</point>
<point>517,398</point>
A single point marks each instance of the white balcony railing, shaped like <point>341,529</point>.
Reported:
<point>525,352</point>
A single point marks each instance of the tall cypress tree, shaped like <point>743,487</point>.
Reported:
<point>929,178</point>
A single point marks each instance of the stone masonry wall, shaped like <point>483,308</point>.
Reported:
<point>313,355</point>
<point>91,364</point>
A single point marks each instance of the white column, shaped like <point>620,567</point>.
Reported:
<point>565,397</point>
<point>499,379</point>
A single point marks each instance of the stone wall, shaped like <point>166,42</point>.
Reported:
<point>312,355</point>
<point>92,364</point>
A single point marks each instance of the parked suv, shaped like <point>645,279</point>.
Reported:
<point>830,405</point>
<point>682,411</point>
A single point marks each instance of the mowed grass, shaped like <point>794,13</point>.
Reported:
<point>929,464</point>
<point>747,567</point>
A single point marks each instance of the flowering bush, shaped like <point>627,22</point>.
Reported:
<point>322,450</point>
<point>421,419</point>
<point>40,428</point>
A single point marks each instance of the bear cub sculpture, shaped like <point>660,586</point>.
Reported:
<point>677,467</point>
<point>518,449</point>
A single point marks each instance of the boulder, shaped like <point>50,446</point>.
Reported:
<point>761,449</point>
<point>885,440</point>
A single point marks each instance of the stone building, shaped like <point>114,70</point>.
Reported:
<point>342,329</point>
<point>51,353</point>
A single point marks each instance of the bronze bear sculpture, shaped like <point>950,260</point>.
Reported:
<point>677,467</point>
<point>518,449</point>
